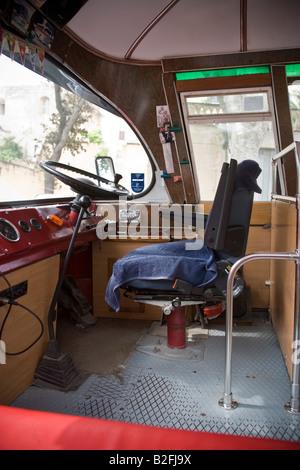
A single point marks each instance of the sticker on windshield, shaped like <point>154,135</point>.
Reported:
<point>137,182</point>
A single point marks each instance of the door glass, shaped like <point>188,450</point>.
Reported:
<point>236,103</point>
<point>294,96</point>
<point>229,125</point>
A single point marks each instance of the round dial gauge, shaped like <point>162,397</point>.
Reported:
<point>9,231</point>
<point>24,226</point>
<point>36,224</point>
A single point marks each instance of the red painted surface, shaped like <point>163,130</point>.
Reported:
<point>81,269</point>
<point>35,430</point>
<point>176,329</point>
<point>39,244</point>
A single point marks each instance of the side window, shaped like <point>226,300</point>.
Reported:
<point>2,107</point>
<point>37,126</point>
<point>230,124</point>
<point>294,96</point>
<point>44,106</point>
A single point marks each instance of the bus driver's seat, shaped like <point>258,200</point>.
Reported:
<point>175,274</point>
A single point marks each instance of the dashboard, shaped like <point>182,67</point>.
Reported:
<point>29,234</point>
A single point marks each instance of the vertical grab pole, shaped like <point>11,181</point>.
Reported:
<point>227,403</point>
<point>294,405</point>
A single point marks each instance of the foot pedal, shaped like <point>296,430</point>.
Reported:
<point>72,299</point>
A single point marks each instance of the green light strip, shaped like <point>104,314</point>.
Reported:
<point>222,72</point>
<point>292,70</point>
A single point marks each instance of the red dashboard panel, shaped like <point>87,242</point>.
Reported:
<point>29,234</point>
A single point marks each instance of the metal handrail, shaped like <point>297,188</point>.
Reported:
<point>279,170</point>
<point>227,402</point>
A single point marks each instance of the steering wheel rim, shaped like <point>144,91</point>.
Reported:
<point>82,187</point>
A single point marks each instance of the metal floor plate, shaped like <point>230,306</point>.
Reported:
<point>184,393</point>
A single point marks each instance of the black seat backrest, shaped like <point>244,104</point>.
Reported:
<point>215,231</point>
<point>229,219</point>
<point>238,226</point>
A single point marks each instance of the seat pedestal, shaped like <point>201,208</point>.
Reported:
<point>176,329</point>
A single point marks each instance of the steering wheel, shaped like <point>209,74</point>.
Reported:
<point>83,184</point>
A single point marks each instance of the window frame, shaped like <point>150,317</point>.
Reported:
<point>226,118</point>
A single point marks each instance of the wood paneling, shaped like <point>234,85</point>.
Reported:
<point>257,273</point>
<point>224,83</point>
<point>104,255</point>
<point>21,328</point>
<point>282,290</point>
<point>244,59</point>
<point>261,212</point>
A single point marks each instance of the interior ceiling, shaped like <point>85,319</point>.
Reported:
<point>156,29</point>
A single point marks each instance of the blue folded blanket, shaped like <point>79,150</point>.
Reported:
<point>162,261</point>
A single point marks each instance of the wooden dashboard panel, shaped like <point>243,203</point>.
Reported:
<point>21,328</point>
<point>282,298</point>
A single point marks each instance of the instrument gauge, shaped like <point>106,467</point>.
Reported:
<point>36,224</point>
<point>24,226</point>
<point>9,231</point>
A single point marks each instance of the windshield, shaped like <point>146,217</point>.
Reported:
<point>39,120</point>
